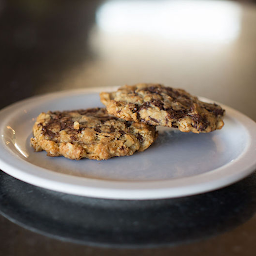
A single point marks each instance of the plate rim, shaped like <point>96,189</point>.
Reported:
<point>128,190</point>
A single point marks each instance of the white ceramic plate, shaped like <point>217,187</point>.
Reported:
<point>177,164</point>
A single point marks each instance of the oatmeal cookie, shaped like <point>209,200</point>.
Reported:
<point>156,104</point>
<point>90,133</point>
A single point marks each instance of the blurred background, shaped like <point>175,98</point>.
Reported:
<point>205,47</point>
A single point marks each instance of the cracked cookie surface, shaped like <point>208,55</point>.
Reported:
<point>156,104</point>
<point>90,133</point>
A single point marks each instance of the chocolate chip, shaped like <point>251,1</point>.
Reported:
<point>215,109</point>
<point>174,125</point>
<point>49,133</point>
<point>196,118</point>
<point>172,93</point>
<point>44,130</point>
<point>135,108</point>
<point>112,128</point>
<point>153,89</point>
<point>158,104</point>
<point>218,111</point>
<point>177,114</point>
<point>140,138</point>
<point>153,119</point>
<point>204,123</point>
<point>138,116</point>
<point>145,105</point>
<point>63,125</point>
<point>73,137</point>
<point>97,129</point>
<point>128,124</point>
<point>122,132</point>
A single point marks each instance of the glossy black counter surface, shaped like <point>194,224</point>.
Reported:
<point>214,223</point>
<point>48,46</point>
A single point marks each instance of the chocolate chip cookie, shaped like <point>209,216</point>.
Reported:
<point>90,133</point>
<point>156,104</point>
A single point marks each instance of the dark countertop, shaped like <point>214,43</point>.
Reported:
<point>48,46</point>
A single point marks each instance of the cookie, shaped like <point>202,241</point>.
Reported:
<point>90,133</point>
<point>155,104</point>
